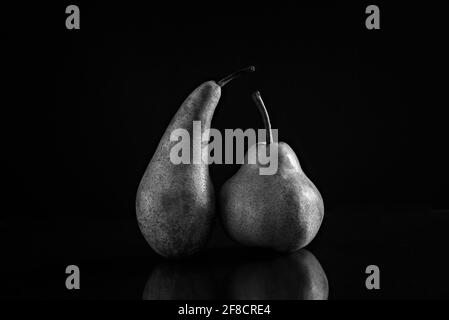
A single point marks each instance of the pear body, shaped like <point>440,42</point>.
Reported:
<point>282,211</point>
<point>175,203</point>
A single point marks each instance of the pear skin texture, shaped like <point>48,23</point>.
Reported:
<point>175,204</point>
<point>282,211</point>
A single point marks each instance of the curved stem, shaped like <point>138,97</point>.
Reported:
<point>263,111</point>
<point>236,74</point>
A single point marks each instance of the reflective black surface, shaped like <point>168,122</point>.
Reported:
<point>242,274</point>
<point>408,246</point>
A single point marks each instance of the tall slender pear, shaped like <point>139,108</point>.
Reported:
<point>175,203</point>
<point>282,211</point>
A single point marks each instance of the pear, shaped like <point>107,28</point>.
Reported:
<point>175,203</point>
<point>282,211</point>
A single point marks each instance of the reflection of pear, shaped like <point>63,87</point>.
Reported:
<point>179,281</point>
<point>298,276</point>
<point>239,273</point>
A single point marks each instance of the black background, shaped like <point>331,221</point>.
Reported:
<point>84,111</point>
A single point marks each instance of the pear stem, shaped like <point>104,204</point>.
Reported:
<point>236,74</point>
<point>263,111</point>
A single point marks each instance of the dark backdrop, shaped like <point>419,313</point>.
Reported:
<point>339,94</point>
<point>93,104</point>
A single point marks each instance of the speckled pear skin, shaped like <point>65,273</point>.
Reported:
<point>175,204</point>
<point>282,211</point>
